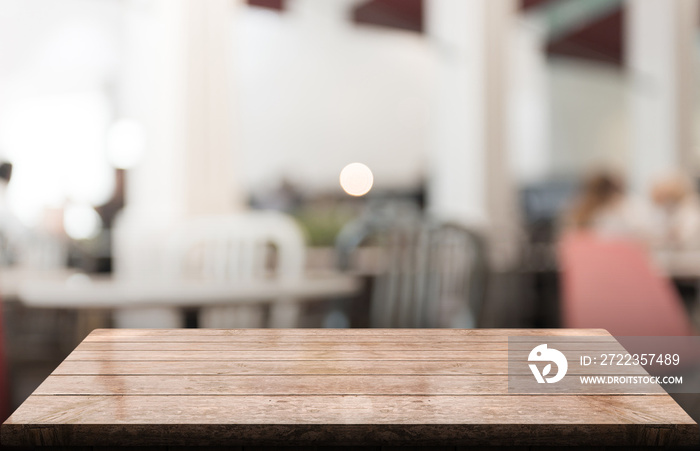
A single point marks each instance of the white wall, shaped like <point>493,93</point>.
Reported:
<point>58,65</point>
<point>589,116</point>
<point>314,98</point>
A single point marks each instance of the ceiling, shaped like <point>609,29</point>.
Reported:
<point>599,40</point>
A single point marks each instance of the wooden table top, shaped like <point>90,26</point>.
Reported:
<point>371,387</point>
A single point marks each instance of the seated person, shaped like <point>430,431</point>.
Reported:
<point>604,208</point>
<point>679,212</point>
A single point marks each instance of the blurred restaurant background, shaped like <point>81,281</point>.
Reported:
<point>345,163</point>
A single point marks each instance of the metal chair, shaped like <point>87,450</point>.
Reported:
<point>434,277</point>
<point>434,274</point>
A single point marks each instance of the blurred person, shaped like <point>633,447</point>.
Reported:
<point>607,270</point>
<point>604,208</point>
<point>5,175</point>
<point>11,231</point>
<point>679,210</point>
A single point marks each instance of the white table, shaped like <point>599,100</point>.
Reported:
<point>679,264</point>
<point>109,293</point>
<point>106,293</point>
<point>13,277</point>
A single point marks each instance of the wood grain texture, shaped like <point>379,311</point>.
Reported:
<point>338,334</point>
<point>307,387</point>
<point>369,355</point>
<point>351,420</point>
<point>411,346</point>
<point>308,367</point>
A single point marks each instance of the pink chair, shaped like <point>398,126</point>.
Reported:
<point>4,386</point>
<point>612,284</point>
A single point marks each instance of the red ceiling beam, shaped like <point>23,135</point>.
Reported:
<point>602,40</point>
<point>277,5</point>
<point>599,41</point>
<point>527,4</point>
<point>401,14</point>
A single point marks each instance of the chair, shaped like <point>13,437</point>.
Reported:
<point>433,274</point>
<point>612,284</point>
<point>253,246</point>
<point>434,277</point>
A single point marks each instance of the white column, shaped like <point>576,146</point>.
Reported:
<point>530,124</point>
<point>660,47</point>
<point>470,179</point>
<point>189,168</point>
<point>179,84</point>
<point>211,180</point>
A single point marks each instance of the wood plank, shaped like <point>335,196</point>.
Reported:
<point>207,337</point>
<point>466,339</point>
<point>350,420</point>
<point>317,367</point>
<point>288,367</point>
<point>316,385</point>
<point>287,355</point>
<point>344,334</point>
<point>273,385</point>
<point>343,346</point>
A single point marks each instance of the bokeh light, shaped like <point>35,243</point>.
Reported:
<point>356,179</point>
<point>57,147</point>
<point>125,143</point>
<point>81,222</point>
